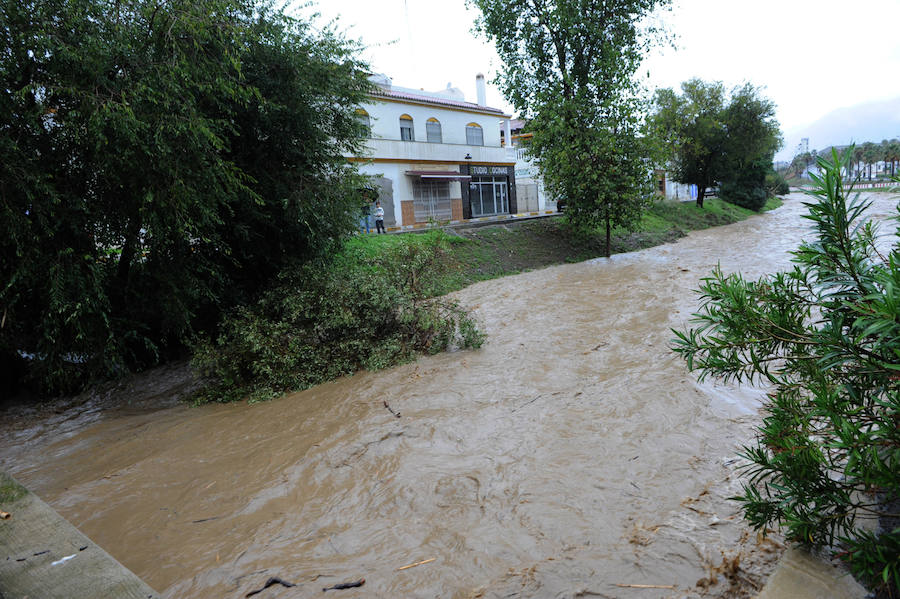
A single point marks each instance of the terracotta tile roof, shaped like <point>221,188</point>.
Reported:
<point>437,101</point>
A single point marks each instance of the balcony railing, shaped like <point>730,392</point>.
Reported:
<point>416,150</point>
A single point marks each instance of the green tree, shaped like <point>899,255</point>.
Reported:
<point>884,154</point>
<point>569,70</point>
<point>752,138</point>
<point>825,337</point>
<point>691,126</point>
<point>714,137</point>
<point>798,165</point>
<point>291,143</point>
<point>157,160</point>
<point>802,162</point>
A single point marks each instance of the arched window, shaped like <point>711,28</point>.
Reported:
<point>474,135</point>
<point>362,118</point>
<point>433,131</point>
<point>406,128</point>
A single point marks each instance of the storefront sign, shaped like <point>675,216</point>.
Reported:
<point>488,170</point>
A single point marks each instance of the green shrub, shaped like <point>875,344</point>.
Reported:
<point>747,186</point>
<point>333,318</point>
<point>826,337</point>
<point>776,184</point>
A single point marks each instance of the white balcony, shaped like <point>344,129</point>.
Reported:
<point>391,149</point>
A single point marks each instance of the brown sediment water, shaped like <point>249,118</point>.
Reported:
<point>571,455</point>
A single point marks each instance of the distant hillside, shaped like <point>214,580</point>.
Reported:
<point>872,121</point>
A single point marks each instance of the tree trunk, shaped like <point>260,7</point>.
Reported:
<point>608,250</point>
<point>701,191</point>
<point>123,269</point>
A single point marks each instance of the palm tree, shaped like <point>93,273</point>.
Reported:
<point>870,157</point>
<point>884,154</point>
<point>893,154</point>
<point>857,159</point>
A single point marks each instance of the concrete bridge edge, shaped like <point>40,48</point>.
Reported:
<point>44,555</point>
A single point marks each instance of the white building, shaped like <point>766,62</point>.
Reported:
<point>674,190</point>
<point>435,156</point>
<point>529,185</point>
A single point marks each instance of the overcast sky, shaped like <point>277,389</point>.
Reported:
<point>812,56</point>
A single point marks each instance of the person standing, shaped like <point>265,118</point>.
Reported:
<point>364,219</point>
<point>379,218</point>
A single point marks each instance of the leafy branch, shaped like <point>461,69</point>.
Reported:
<point>826,336</point>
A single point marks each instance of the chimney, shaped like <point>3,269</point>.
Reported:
<point>480,89</point>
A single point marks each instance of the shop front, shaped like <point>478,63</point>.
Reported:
<point>435,196</point>
<point>489,192</point>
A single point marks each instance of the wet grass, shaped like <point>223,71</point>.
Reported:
<point>10,490</point>
<point>488,252</point>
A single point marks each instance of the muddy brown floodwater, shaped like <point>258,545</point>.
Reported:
<point>570,455</point>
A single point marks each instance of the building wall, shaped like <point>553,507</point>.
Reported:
<point>680,191</point>
<point>388,157</point>
<point>402,188</point>
<point>528,174</point>
<point>384,118</point>
<point>424,153</point>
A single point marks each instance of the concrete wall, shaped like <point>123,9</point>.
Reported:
<point>386,196</point>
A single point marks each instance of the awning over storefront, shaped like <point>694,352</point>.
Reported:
<point>441,175</point>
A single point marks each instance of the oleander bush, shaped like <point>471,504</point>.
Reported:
<point>826,337</point>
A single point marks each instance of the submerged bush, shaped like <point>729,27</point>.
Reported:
<point>333,318</point>
<point>826,336</point>
<point>776,184</point>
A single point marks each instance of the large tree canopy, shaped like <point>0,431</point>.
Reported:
<point>159,160</point>
<point>569,70</point>
<point>716,138</point>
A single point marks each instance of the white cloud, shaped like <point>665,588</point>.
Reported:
<point>420,43</point>
<point>812,56</point>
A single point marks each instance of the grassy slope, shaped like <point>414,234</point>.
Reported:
<point>498,250</point>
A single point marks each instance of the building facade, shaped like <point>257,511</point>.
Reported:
<point>435,157</point>
<point>529,184</point>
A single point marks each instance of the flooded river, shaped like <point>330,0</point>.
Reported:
<point>572,456</point>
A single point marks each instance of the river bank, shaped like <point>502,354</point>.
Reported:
<point>502,249</point>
